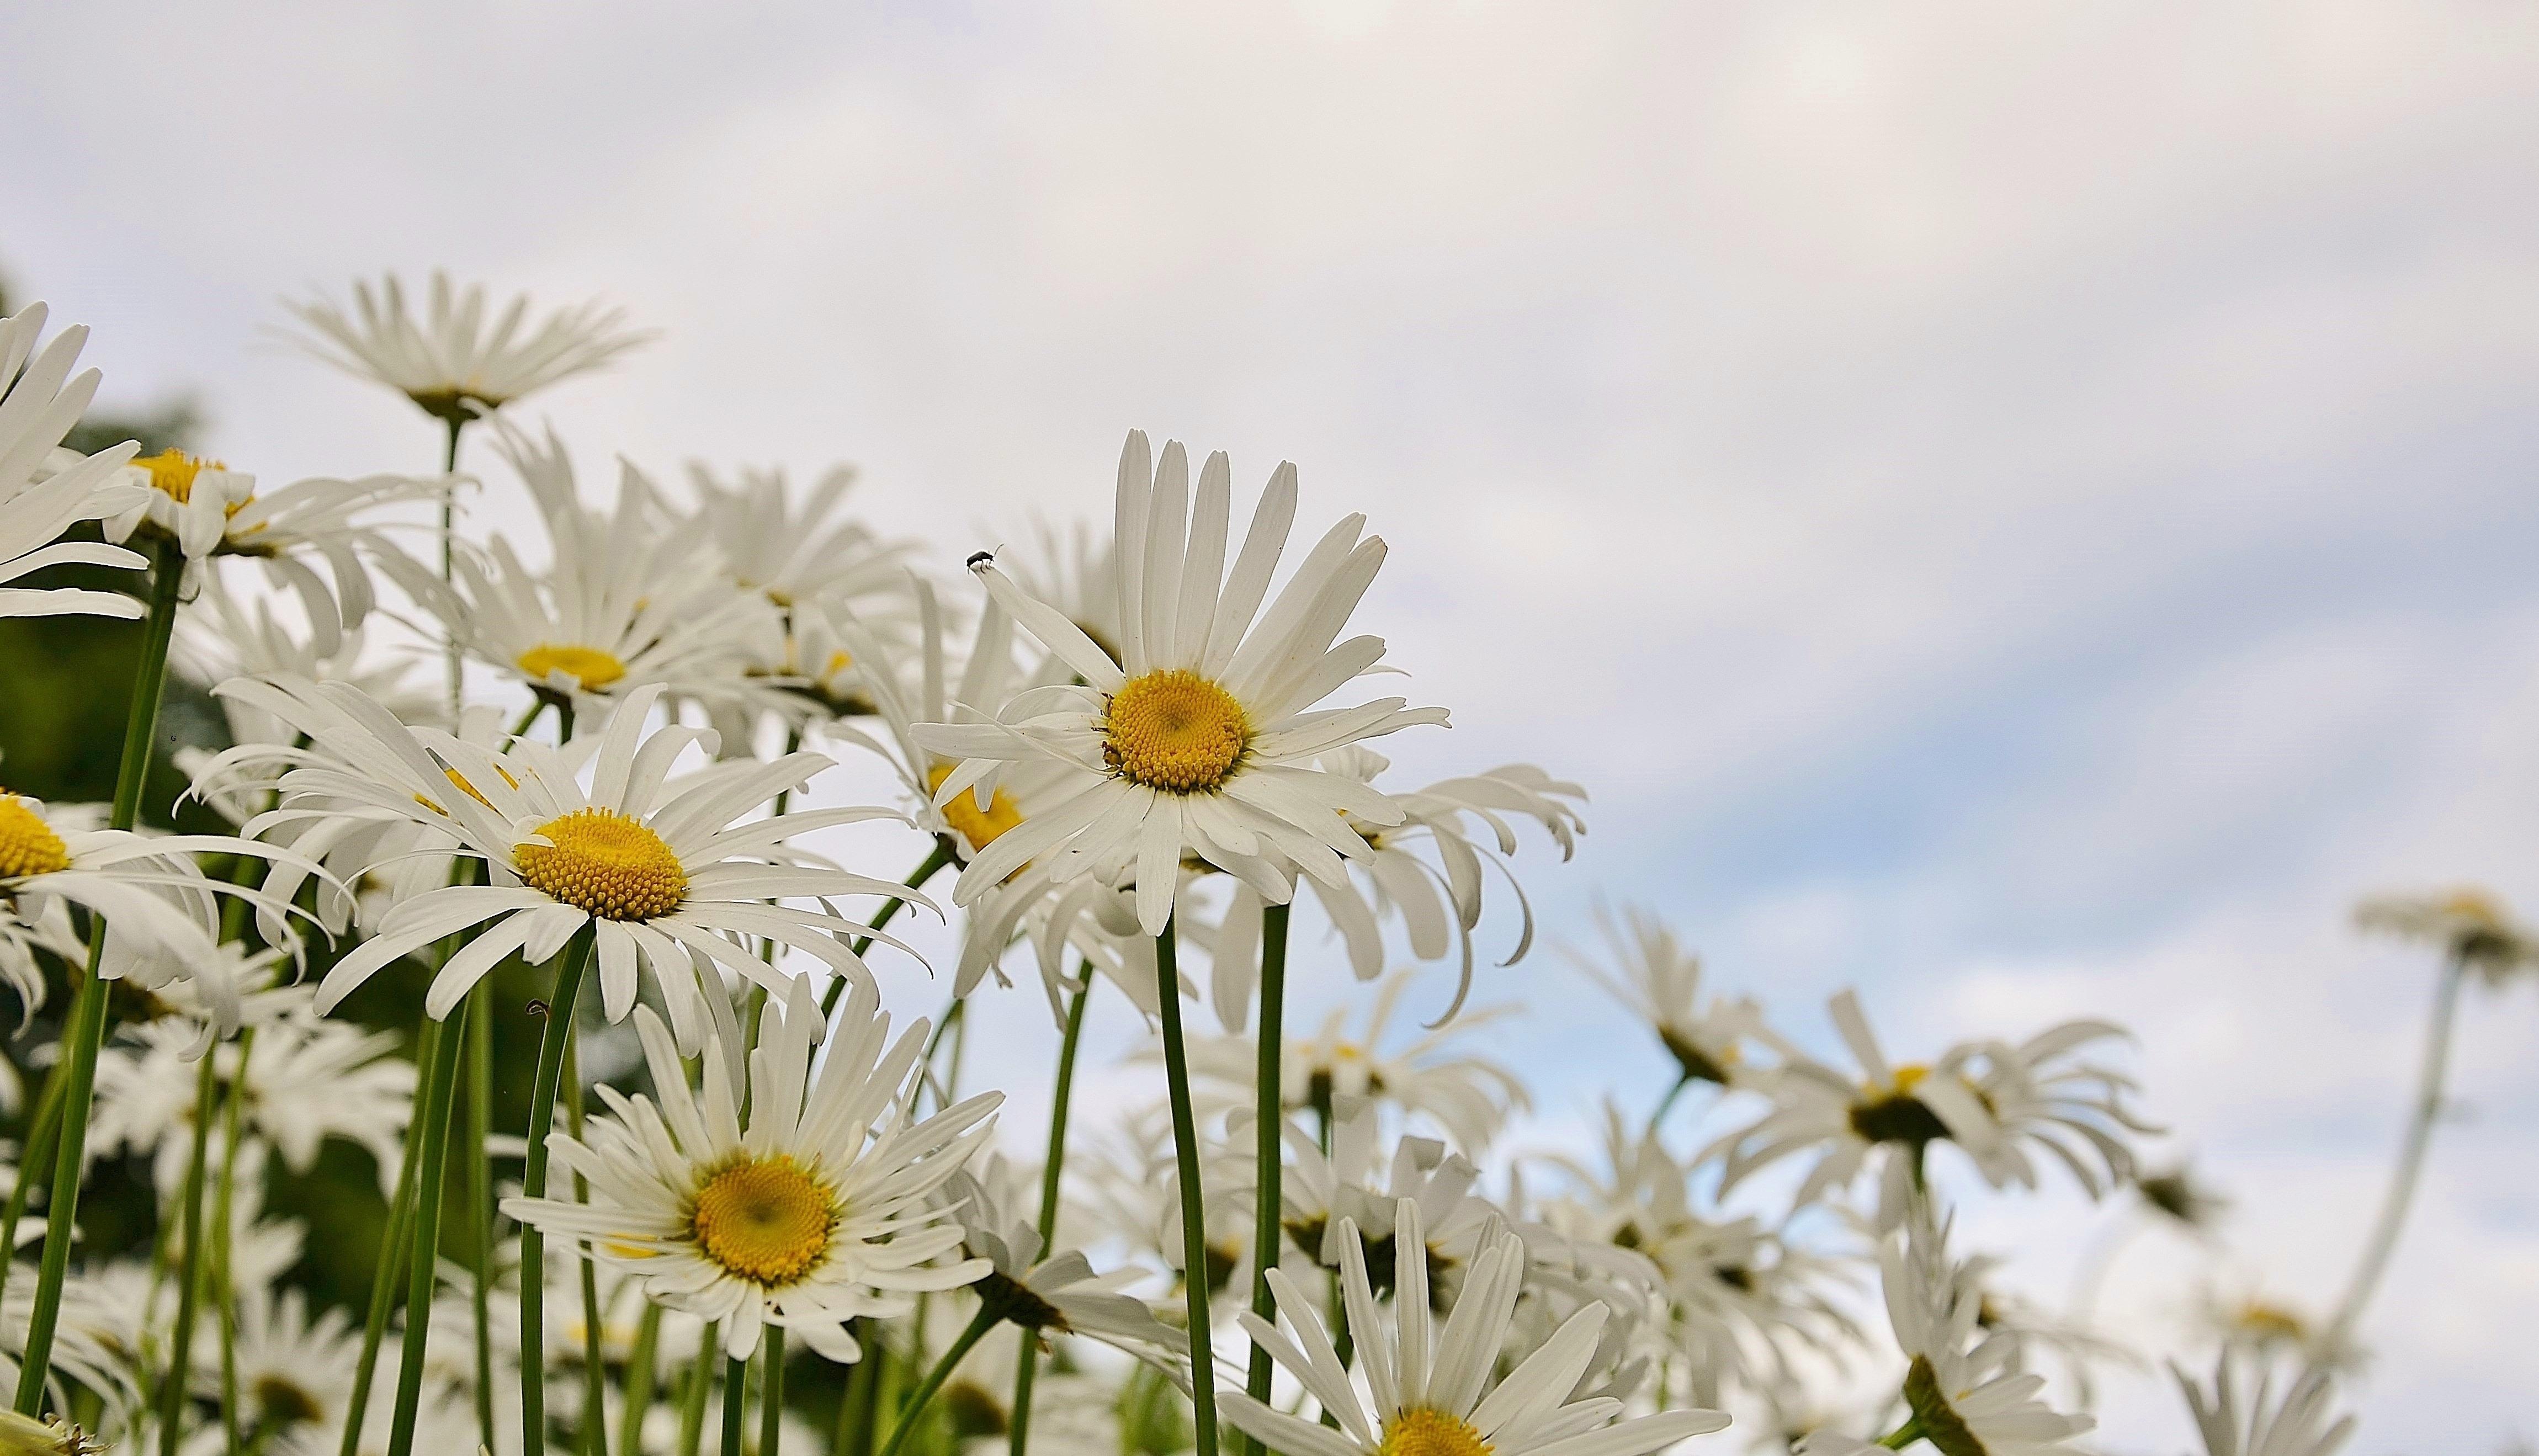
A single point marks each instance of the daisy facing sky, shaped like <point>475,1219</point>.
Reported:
<point>1201,738</point>
<point>456,361</point>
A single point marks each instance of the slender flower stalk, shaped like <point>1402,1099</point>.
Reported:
<point>595,1374</point>
<point>86,1032</point>
<point>2430,1080</point>
<point>440,1092</point>
<point>570,967</point>
<point>735,1404</point>
<point>1194,1209</point>
<point>479,1096</point>
<point>1027,1362</point>
<point>395,1239</point>
<point>43,1126</point>
<point>911,1412</point>
<point>642,1373</point>
<point>223,1202</point>
<point>1269,1123</point>
<point>936,860</point>
<point>190,1272</point>
<point>771,1391</point>
<point>691,1401</point>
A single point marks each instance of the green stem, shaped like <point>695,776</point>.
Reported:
<point>189,1286</point>
<point>43,1124</point>
<point>925,870</point>
<point>1027,1359</point>
<point>439,1092</point>
<point>639,1374</point>
<point>1168,997</point>
<point>691,1400</point>
<point>448,543</point>
<point>480,1193</point>
<point>735,1404</point>
<point>770,1390</point>
<point>1903,1435</point>
<point>394,1240</point>
<point>224,1205</point>
<point>1270,1118</point>
<point>1667,1102</point>
<point>979,1324</point>
<point>2430,1079</point>
<point>86,1030</point>
<point>534,1184</point>
<point>856,1406</point>
<point>595,1377</point>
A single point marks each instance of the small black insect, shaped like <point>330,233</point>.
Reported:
<point>978,559</point>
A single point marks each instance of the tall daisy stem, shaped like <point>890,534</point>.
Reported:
<point>224,1204</point>
<point>434,1108</point>
<point>2430,1081</point>
<point>86,1030</point>
<point>449,545</point>
<point>480,1195</point>
<point>1268,1121</point>
<point>1027,1362</point>
<point>770,1390</point>
<point>735,1404</point>
<point>393,1242</point>
<point>916,878</point>
<point>1168,998</point>
<point>189,1275</point>
<point>691,1401</point>
<point>642,1370</point>
<point>43,1124</point>
<point>910,1413</point>
<point>534,1184</point>
<point>594,1372</point>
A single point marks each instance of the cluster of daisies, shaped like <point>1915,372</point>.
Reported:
<point>742,1202</point>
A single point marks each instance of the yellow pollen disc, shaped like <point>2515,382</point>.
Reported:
<point>593,668</point>
<point>604,864</point>
<point>2473,905</point>
<point>765,1220</point>
<point>172,472</point>
<point>27,844</point>
<point>1909,1076</point>
<point>839,662</point>
<point>977,826</point>
<point>1424,1432</point>
<point>1174,730</point>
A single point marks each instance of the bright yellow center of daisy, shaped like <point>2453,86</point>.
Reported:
<point>592,667</point>
<point>171,473</point>
<point>604,864</point>
<point>1425,1432</point>
<point>1174,730</point>
<point>765,1220</point>
<point>977,826</point>
<point>27,844</point>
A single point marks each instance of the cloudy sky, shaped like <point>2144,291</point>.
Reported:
<point>2023,509</point>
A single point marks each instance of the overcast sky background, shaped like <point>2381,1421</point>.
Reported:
<point>2025,510</point>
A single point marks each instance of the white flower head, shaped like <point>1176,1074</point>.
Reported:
<point>2303,1422</point>
<point>1199,739</point>
<point>815,1208</point>
<point>1963,1384</point>
<point>1428,1391</point>
<point>44,490</point>
<point>1045,1290</point>
<point>1657,978</point>
<point>457,361</point>
<point>2469,925</point>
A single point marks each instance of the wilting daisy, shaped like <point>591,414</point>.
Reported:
<point>1430,1392</point>
<point>1658,979</point>
<point>1200,739</point>
<point>208,510</point>
<point>1043,1291</point>
<point>455,361</point>
<point>2303,1422</point>
<point>39,403</point>
<point>815,1210</point>
<point>668,873</point>
<point>2470,925</point>
<point>1437,903</point>
<point>627,600</point>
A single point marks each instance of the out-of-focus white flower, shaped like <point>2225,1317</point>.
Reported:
<point>455,361</point>
<point>2303,1422</point>
<point>2252,1322</point>
<point>667,872</point>
<point>1047,1291</point>
<point>1199,739</point>
<point>1431,1392</point>
<point>1439,904</point>
<point>43,490</point>
<point>815,1210</point>
<point>294,1371</point>
<point>2470,925</point>
<point>1658,979</point>
<point>221,637</point>
<point>811,556</point>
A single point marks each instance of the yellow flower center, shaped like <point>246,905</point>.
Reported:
<point>27,844</point>
<point>1909,1076</point>
<point>603,863</point>
<point>765,1220</point>
<point>593,668</point>
<point>2476,906</point>
<point>1174,730</point>
<point>461,781</point>
<point>2271,1322</point>
<point>1424,1430</point>
<point>977,826</point>
<point>172,473</point>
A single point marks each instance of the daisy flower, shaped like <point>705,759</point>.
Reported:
<point>39,403</point>
<point>208,510</point>
<point>815,1208</point>
<point>1043,1291</point>
<point>1199,739</point>
<point>627,600</point>
<point>815,554</point>
<point>455,361</point>
<point>667,872</point>
<point>2303,1422</point>
<point>1438,904</point>
<point>1430,1392</point>
<point>222,636</point>
<point>1357,1186</point>
<point>294,1371</point>
<point>2470,925</point>
<point>2181,1196</point>
<point>25,1436</point>
<point>1658,979</point>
